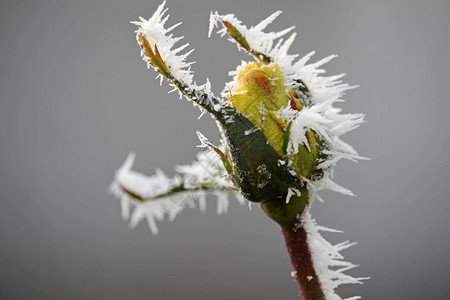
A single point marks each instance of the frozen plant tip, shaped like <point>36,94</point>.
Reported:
<point>280,143</point>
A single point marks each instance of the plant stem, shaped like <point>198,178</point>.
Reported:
<point>306,276</point>
<point>286,215</point>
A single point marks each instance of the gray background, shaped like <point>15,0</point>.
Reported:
<point>76,98</point>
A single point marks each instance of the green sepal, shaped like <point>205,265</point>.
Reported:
<point>305,161</point>
<point>305,94</point>
<point>226,163</point>
<point>286,136</point>
<point>256,164</point>
<point>242,41</point>
<point>155,58</point>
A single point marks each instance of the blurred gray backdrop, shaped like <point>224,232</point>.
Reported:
<point>75,99</point>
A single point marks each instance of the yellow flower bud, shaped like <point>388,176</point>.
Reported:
<point>259,96</point>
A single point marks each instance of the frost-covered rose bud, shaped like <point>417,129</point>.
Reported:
<point>258,169</point>
<point>280,143</point>
<point>260,95</point>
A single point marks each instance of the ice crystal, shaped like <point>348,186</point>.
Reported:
<point>327,259</point>
<point>153,198</point>
<point>170,61</point>
<point>162,40</point>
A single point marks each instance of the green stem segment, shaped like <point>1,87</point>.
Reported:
<point>181,188</point>
<point>287,216</point>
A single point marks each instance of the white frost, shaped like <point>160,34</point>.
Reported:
<point>292,192</point>
<point>160,37</point>
<point>161,41</point>
<point>207,170</point>
<point>327,259</point>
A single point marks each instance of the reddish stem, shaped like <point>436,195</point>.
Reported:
<point>296,243</point>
